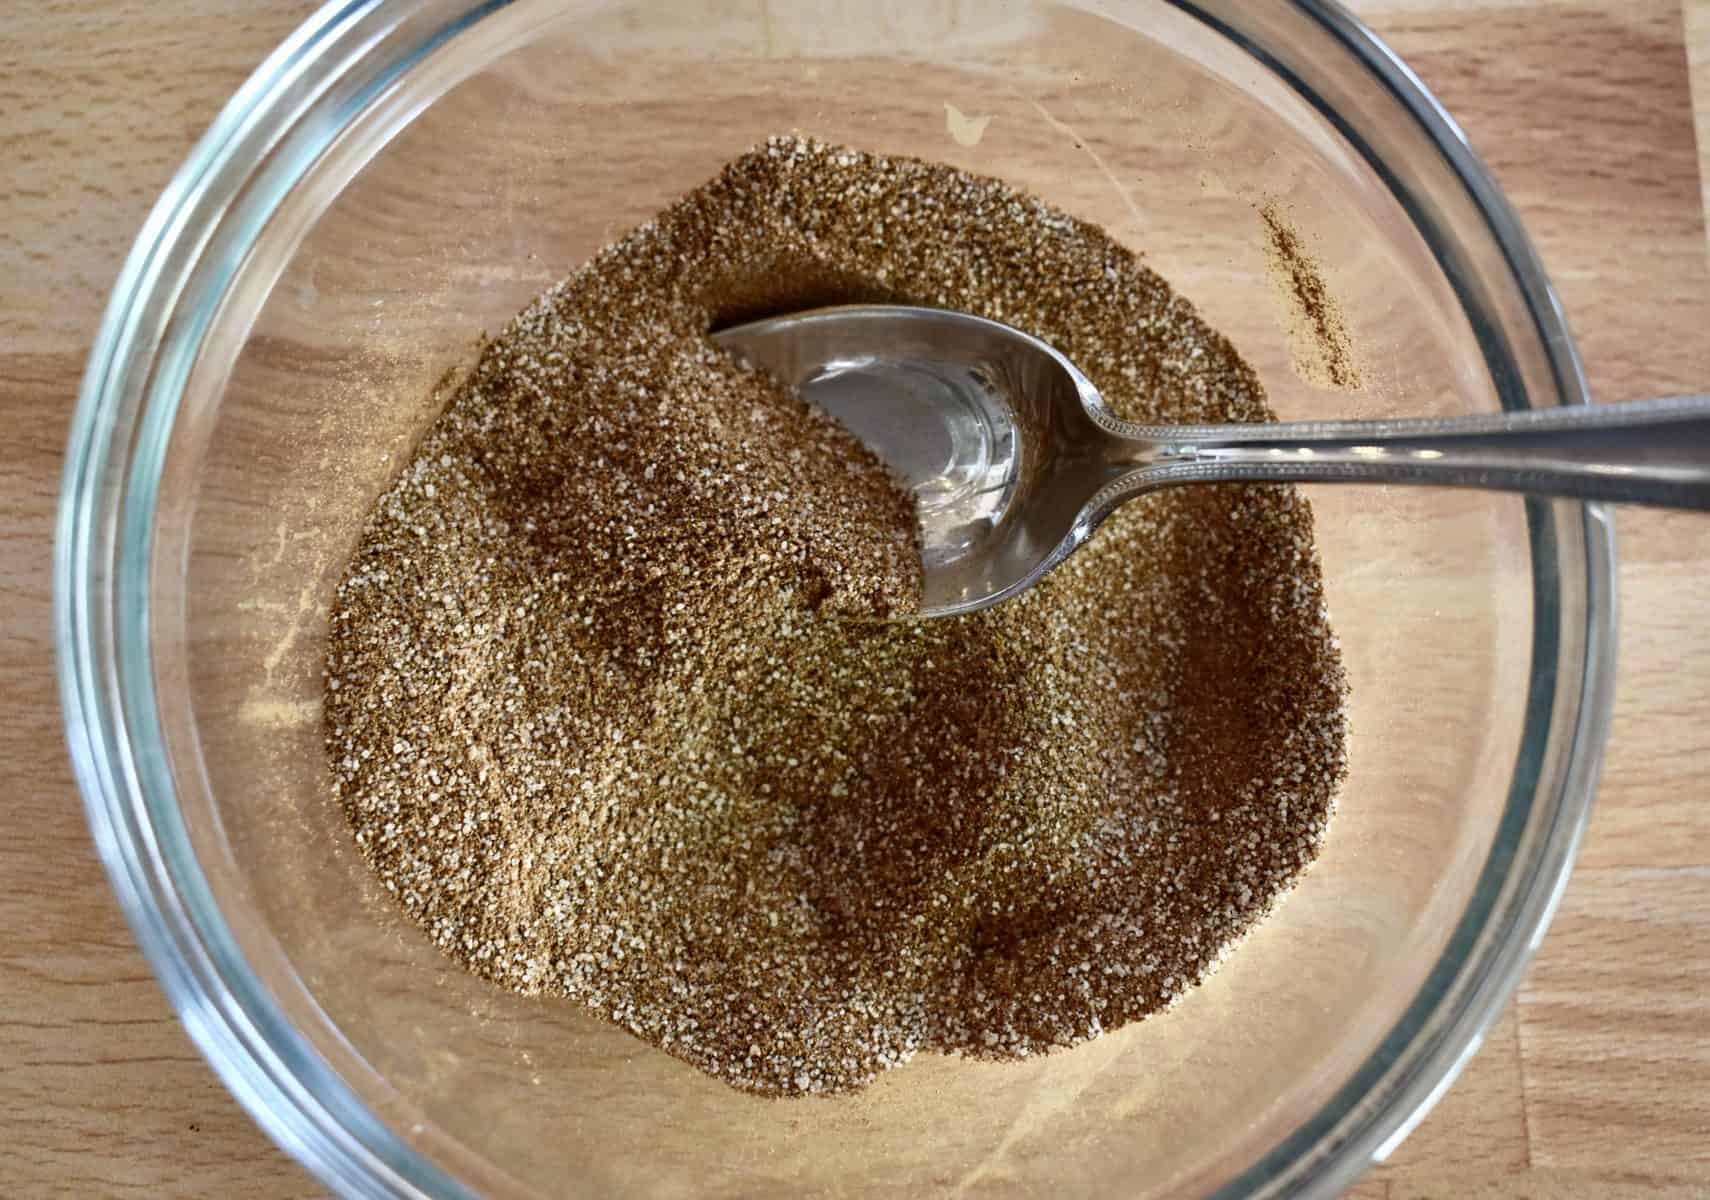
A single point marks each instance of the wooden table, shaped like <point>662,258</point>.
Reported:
<point>1596,1081</point>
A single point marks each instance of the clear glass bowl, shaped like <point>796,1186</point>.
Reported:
<point>401,176</point>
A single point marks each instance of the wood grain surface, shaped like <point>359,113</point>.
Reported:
<point>1596,1081</point>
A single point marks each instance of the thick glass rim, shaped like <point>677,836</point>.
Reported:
<point>291,111</point>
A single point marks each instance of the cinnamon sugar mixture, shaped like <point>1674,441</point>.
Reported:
<point>608,716</point>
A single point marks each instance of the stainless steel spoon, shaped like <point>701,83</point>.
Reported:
<point>1014,459</point>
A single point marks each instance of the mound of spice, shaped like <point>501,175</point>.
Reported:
<point>609,716</point>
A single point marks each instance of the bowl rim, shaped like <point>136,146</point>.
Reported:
<point>165,298</point>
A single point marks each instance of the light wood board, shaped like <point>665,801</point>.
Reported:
<point>1596,1081</point>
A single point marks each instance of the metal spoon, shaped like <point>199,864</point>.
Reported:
<point>1014,459</point>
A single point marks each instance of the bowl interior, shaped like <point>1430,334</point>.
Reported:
<point>500,161</point>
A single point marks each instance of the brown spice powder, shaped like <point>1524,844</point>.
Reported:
<point>599,722</point>
<point>1332,361</point>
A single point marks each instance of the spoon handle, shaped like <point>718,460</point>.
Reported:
<point>1641,452</point>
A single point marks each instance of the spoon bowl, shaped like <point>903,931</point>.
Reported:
<point>992,430</point>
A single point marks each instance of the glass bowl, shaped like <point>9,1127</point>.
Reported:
<point>399,177</point>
